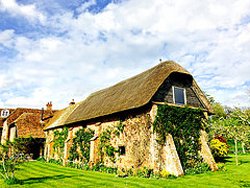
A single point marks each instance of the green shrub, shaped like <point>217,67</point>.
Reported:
<point>54,161</point>
<point>83,166</point>
<point>198,169</point>
<point>100,167</point>
<point>139,172</point>
<point>41,159</point>
<point>122,172</point>
<point>9,161</point>
<point>13,181</point>
<point>144,172</point>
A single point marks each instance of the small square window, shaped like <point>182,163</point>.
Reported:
<point>122,150</point>
<point>5,113</point>
<point>179,95</point>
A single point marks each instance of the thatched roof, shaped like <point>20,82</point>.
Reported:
<point>129,94</point>
<point>60,117</point>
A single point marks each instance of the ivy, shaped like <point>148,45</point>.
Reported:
<point>59,139</point>
<point>81,141</point>
<point>105,147</point>
<point>119,129</point>
<point>184,124</point>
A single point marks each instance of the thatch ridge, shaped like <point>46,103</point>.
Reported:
<point>129,94</point>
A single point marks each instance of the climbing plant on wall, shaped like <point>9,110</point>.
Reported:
<point>105,147</point>
<point>184,124</point>
<point>80,149</point>
<point>59,139</point>
<point>119,128</point>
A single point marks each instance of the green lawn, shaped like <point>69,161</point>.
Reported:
<point>39,174</point>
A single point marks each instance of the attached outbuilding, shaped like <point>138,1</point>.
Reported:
<point>27,124</point>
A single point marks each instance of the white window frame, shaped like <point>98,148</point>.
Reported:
<point>5,113</point>
<point>184,92</point>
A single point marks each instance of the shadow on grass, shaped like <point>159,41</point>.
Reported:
<point>230,159</point>
<point>244,183</point>
<point>42,179</point>
<point>227,159</point>
<point>243,162</point>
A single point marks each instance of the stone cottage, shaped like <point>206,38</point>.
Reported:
<point>25,123</point>
<point>121,117</point>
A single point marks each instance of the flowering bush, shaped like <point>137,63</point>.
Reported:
<point>219,149</point>
<point>221,138</point>
<point>164,173</point>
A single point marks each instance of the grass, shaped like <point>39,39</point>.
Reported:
<point>40,174</point>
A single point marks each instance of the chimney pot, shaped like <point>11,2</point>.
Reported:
<point>72,102</point>
<point>49,106</point>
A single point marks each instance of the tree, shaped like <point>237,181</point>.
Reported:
<point>235,125</point>
<point>242,117</point>
<point>12,154</point>
<point>219,110</point>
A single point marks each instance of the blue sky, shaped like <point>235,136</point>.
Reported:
<point>57,50</point>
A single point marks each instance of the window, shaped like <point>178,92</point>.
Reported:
<point>5,113</point>
<point>122,150</point>
<point>179,95</point>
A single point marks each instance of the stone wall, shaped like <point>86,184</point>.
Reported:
<point>5,133</point>
<point>12,133</point>
<point>137,142</point>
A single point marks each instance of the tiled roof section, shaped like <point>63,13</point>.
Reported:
<point>10,109</point>
<point>19,111</point>
<point>47,114</point>
<point>28,125</point>
<point>27,121</point>
<point>1,122</point>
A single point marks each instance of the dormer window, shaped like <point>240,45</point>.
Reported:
<point>5,113</point>
<point>179,95</point>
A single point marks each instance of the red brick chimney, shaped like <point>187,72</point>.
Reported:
<point>49,106</point>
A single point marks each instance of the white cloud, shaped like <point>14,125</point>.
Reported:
<point>28,11</point>
<point>6,35</point>
<point>2,81</point>
<point>85,6</point>
<point>97,50</point>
